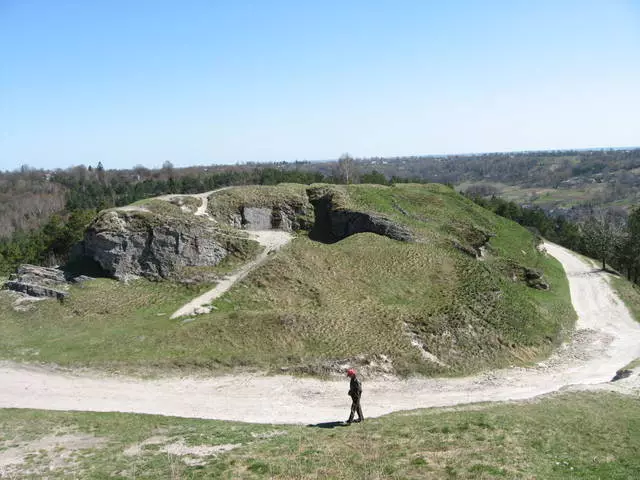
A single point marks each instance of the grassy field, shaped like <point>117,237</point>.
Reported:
<point>314,303</point>
<point>585,435</point>
<point>548,197</point>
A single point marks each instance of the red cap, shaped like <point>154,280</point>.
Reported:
<point>351,372</point>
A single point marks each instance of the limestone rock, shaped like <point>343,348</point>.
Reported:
<point>38,281</point>
<point>127,244</point>
<point>257,218</point>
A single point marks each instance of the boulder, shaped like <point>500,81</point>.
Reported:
<point>34,290</point>
<point>534,279</point>
<point>127,244</point>
<point>38,281</point>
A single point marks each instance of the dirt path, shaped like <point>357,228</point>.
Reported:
<point>606,338</point>
<point>204,197</point>
<point>272,240</point>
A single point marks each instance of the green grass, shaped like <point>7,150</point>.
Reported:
<point>578,435</point>
<point>314,303</point>
<point>104,323</point>
<point>629,293</point>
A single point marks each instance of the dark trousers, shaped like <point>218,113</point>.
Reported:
<point>355,407</point>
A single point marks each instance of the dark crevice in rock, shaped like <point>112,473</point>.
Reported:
<point>333,224</point>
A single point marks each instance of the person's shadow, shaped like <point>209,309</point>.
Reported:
<point>329,425</point>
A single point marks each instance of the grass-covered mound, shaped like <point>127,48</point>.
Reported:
<point>430,306</point>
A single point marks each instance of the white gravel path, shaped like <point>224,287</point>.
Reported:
<point>606,339</point>
<point>271,240</point>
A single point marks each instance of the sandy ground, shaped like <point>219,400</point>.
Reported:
<point>271,240</point>
<point>606,339</point>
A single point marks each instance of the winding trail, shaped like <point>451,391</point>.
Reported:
<point>271,240</point>
<point>204,197</point>
<point>606,339</point>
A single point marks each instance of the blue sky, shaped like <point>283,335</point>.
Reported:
<point>202,82</point>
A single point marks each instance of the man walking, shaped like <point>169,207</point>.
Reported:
<point>355,392</point>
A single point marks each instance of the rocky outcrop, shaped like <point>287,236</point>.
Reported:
<point>38,281</point>
<point>255,218</point>
<point>531,277</point>
<point>137,243</point>
<point>261,207</point>
<point>333,221</point>
<point>622,374</point>
<point>470,239</point>
<point>282,217</point>
<point>535,279</point>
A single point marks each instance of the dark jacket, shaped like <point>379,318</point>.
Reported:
<point>355,387</point>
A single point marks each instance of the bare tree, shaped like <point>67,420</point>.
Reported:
<point>347,168</point>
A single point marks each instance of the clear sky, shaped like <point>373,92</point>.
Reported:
<point>131,82</point>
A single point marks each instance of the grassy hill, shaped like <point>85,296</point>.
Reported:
<point>314,304</point>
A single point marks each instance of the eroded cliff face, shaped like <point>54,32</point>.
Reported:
<point>139,243</point>
<point>263,207</point>
<point>281,217</point>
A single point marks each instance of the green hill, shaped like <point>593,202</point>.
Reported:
<point>430,304</point>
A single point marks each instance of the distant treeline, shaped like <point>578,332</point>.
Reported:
<point>541,169</point>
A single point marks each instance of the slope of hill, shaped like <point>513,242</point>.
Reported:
<point>457,295</point>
